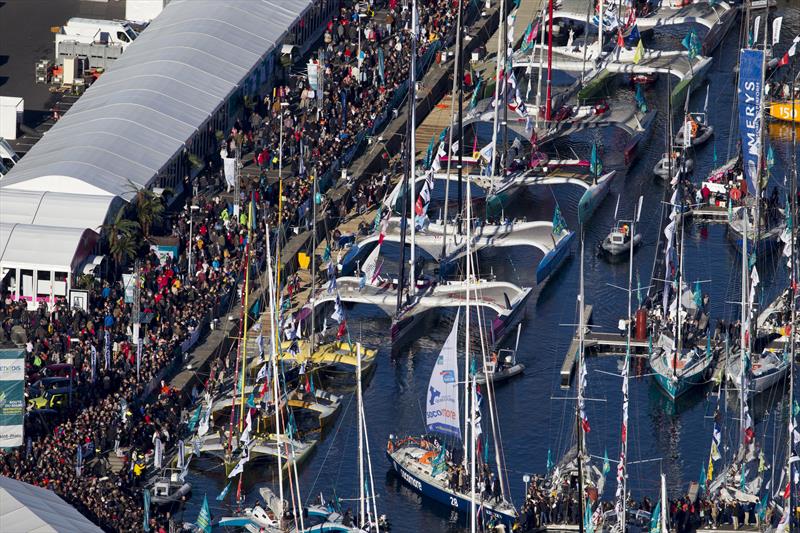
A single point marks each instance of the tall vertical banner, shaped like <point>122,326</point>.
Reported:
<point>751,91</point>
<point>12,399</point>
<point>442,404</point>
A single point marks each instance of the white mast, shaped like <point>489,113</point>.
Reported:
<point>413,103</point>
<point>366,444</point>
<point>471,390</point>
<point>273,323</point>
<point>664,504</point>
<point>600,30</point>
<point>743,333</point>
<point>500,67</point>
<point>361,503</point>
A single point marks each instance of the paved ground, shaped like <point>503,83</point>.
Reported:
<point>26,38</point>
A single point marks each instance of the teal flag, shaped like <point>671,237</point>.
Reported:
<point>639,296</point>
<point>655,519</point>
<point>559,224</point>
<point>473,101</point>
<point>708,346</point>
<point>439,464</point>
<point>692,44</point>
<point>751,262</point>
<point>702,477</point>
<point>326,255</point>
<point>795,408</point>
<point>588,525</point>
<point>224,492</point>
<point>640,99</point>
<point>762,506</point>
<point>650,344</point>
<point>146,521</point>
<point>742,480</point>
<point>770,157</point>
<point>698,294</point>
<point>204,517</point>
<point>595,164</point>
<point>195,418</point>
<point>549,461</point>
<point>429,153</point>
<point>730,210</point>
<point>606,463</point>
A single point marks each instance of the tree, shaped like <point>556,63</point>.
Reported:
<point>149,208</point>
<point>121,233</point>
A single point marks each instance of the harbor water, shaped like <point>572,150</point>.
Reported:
<point>536,415</point>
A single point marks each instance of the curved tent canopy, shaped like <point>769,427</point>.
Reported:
<point>57,209</point>
<point>45,247</point>
<point>130,124</point>
<point>24,507</point>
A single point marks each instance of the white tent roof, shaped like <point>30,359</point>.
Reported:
<point>140,113</point>
<point>29,509</point>
<point>56,209</point>
<point>44,247</point>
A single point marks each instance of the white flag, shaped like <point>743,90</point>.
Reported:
<point>756,25</point>
<point>158,453</point>
<point>245,439</point>
<point>776,30</point>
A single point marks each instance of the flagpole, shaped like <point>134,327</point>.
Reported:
<point>361,505</point>
<point>412,99</point>
<point>793,293</point>
<point>457,85</point>
<point>274,359</point>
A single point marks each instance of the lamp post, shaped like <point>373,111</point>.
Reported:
<point>190,262</point>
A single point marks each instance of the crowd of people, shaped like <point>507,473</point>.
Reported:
<point>107,411</point>
<point>546,507</point>
<point>366,64</point>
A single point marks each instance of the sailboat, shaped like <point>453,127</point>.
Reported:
<point>575,469</point>
<point>678,361</point>
<point>742,478</point>
<point>425,464</point>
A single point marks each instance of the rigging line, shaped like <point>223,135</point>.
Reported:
<point>330,448</point>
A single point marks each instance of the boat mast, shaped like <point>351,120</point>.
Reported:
<point>471,407</point>
<point>549,103</point>
<point>366,445</point>
<point>541,63</point>
<point>623,456</point>
<point>507,66</point>
<point>412,95</point>
<point>578,425</point>
<point>458,85</point>
<point>793,294</point>
<point>313,261</point>
<point>461,140</point>
<point>273,323</point>
<point>743,335</point>
<point>500,53</point>
<point>679,296</point>
<point>664,504</point>
<point>361,502</point>
<point>600,30</point>
<point>404,209</point>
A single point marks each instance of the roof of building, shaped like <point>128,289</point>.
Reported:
<point>49,208</point>
<point>44,247</point>
<point>140,113</point>
<point>24,507</point>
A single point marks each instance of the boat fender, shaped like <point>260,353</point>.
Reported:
<point>390,446</point>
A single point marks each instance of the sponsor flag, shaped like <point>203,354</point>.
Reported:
<point>203,522</point>
<point>224,492</point>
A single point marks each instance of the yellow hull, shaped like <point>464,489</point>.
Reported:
<point>329,353</point>
<point>783,111</point>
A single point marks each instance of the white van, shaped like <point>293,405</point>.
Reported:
<point>8,157</point>
<point>95,31</point>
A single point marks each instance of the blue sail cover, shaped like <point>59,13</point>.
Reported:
<point>751,90</point>
<point>442,403</point>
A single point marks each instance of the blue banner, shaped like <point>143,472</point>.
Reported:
<point>751,89</point>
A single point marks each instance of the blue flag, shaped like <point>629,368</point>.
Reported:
<point>633,37</point>
<point>146,521</point>
<point>204,517</point>
<point>224,492</point>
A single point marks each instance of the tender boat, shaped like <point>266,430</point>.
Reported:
<point>701,131</point>
<point>502,367</point>
<point>168,486</point>
<point>766,369</point>
<point>619,240</point>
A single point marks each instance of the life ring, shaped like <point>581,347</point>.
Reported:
<point>390,446</point>
<point>428,457</point>
<point>736,194</point>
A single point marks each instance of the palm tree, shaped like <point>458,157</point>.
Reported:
<point>149,208</point>
<point>121,234</point>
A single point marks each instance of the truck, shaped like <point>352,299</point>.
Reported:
<point>101,41</point>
